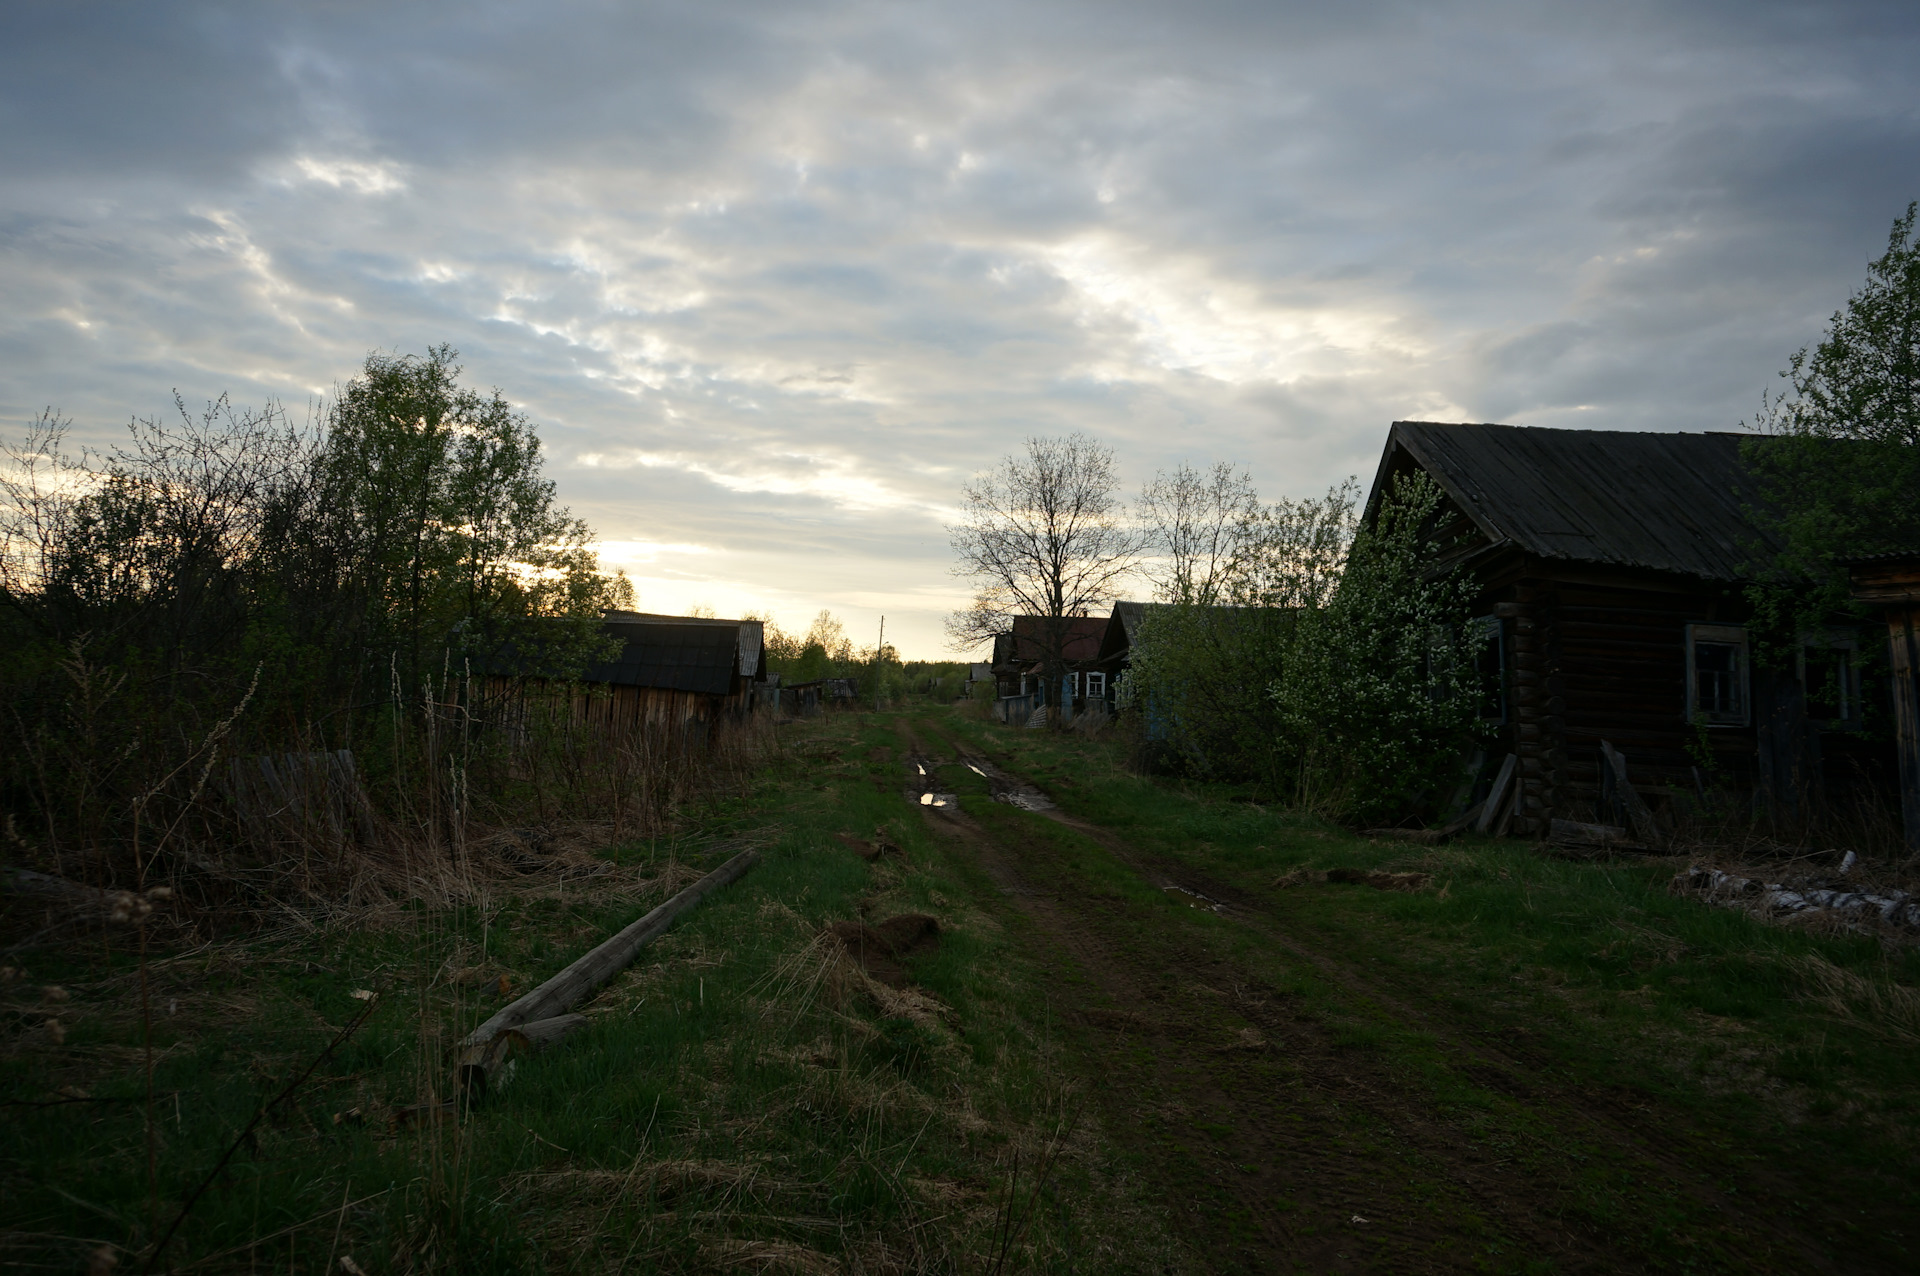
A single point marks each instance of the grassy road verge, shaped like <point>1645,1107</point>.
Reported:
<point>1529,1065</point>
<point>1151,1037</point>
<point>746,1097</point>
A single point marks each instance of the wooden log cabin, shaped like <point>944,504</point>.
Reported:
<point>1610,570</point>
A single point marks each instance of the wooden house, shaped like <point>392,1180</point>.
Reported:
<point>1117,639</point>
<point>1610,569</point>
<point>1020,657</point>
<point>676,675</point>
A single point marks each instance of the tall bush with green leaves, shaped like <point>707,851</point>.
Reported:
<point>1237,573</point>
<point>1378,694</point>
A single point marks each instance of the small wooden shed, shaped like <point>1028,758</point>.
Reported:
<point>676,669</point>
<point>1611,568</point>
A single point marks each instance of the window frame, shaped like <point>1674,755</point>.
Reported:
<point>1087,684</point>
<point>1496,630</point>
<point>1720,635</point>
<point>1851,705</point>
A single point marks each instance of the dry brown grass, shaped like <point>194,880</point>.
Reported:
<point>1880,1005</point>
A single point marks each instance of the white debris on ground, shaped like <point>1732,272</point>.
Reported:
<point>1780,900</point>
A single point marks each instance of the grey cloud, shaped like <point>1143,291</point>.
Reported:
<point>818,262</point>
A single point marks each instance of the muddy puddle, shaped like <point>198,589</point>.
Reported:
<point>1005,788</point>
<point>923,791</point>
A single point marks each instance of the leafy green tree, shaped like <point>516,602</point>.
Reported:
<point>1838,457</point>
<point>432,507</point>
<point>1379,693</point>
<point>232,559</point>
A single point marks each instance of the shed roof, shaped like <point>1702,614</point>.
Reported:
<point>680,653</point>
<point>1669,502</point>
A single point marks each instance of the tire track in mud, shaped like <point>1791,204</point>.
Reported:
<point>1279,1147</point>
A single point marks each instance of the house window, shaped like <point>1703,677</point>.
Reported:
<point>1490,664</point>
<point>1717,675</point>
<point>1829,673</point>
<point>1096,685</point>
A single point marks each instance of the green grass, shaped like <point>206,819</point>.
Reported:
<point>1596,974</point>
<point>712,1104</point>
<point>726,1096</point>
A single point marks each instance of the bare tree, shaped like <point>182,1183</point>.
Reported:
<point>1195,524</point>
<point>1042,536</point>
<point>1291,554</point>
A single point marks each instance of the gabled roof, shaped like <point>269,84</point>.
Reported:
<point>680,653</point>
<point>1117,638</point>
<point>1082,638</point>
<point>1669,502</point>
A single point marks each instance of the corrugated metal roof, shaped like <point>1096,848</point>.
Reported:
<point>679,653</point>
<point>1669,502</point>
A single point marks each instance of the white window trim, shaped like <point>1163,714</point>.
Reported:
<point>1731,635</point>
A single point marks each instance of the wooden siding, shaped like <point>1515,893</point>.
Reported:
<point>510,701</point>
<point>1591,660</point>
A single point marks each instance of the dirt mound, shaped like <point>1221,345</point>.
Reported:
<point>881,950</point>
<point>868,851</point>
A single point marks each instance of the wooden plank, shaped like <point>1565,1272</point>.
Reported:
<point>1490,809</point>
<point>552,999</point>
<point>1638,812</point>
<point>1590,834</point>
<point>1903,652</point>
<point>1515,795</point>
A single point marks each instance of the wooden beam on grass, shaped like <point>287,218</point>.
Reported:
<point>533,1019</point>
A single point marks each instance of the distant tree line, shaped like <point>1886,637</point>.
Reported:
<point>825,651</point>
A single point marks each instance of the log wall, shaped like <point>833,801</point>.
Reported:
<point>1595,657</point>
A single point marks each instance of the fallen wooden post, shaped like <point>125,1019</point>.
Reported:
<point>1490,810</point>
<point>541,1015</point>
<point>1638,813</point>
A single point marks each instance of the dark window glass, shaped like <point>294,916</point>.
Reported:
<point>1716,678</point>
<point>1829,683</point>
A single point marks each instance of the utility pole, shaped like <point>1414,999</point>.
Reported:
<point>879,654</point>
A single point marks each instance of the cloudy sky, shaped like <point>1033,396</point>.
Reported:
<point>774,279</point>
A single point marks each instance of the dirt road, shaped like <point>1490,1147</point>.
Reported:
<point>1282,1143</point>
